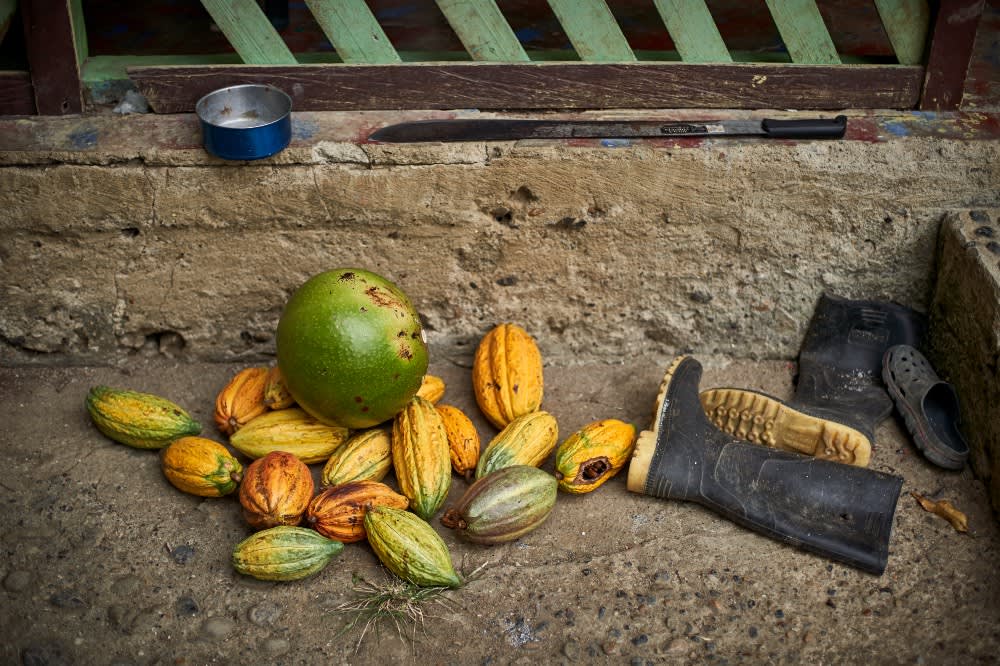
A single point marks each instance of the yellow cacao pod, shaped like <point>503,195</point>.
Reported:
<point>365,456</point>
<point>241,400</point>
<point>139,420</point>
<point>276,490</point>
<point>431,389</point>
<point>410,548</point>
<point>463,440</point>
<point>593,454</point>
<point>290,430</point>
<point>284,553</point>
<point>420,456</point>
<point>528,440</point>
<point>276,395</point>
<point>507,374</point>
<point>339,511</point>
<point>201,467</point>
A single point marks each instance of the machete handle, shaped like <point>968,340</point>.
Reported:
<point>812,128</point>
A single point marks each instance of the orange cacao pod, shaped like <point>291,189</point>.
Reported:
<point>276,395</point>
<point>463,440</point>
<point>276,490</point>
<point>338,512</point>
<point>241,400</point>
<point>507,374</point>
<point>431,389</point>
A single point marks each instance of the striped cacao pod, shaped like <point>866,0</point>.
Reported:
<point>241,400</point>
<point>290,430</point>
<point>199,466</point>
<point>503,505</point>
<point>339,511</point>
<point>463,440</point>
<point>365,456</point>
<point>139,420</point>
<point>527,440</point>
<point>276,490</point>
<point>507,374</point>
<point>431,389</point>
<point>593,454</point>
<point>410,548</point>
<point>284,553</point>
<point>420,457</point>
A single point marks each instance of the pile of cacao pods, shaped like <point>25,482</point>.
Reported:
<point>298,529</point>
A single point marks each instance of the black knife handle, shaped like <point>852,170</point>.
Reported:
<point>813,128</point>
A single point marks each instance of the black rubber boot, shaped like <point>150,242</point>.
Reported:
<point>839,395</point>
<point>839,511</point>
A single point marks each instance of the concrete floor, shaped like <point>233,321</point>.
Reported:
<point>104,562</point>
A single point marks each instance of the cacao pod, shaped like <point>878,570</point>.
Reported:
<point>284,553</point>
<point>241,400</point>
<point>507,374</point>
<point>339,511</point>
<point>431,389</point>
<point>290,430</point>
<point>527,440</point>
<point>410,548</point>
<point>593,454</point>
<point>139,420</point>
<point>463,440</point>
<point>503,505</point>
<point>276,490</point>
<point>365,456</point>
<point>201,467</point>
<point>276,395</point>
<point>420,456</point>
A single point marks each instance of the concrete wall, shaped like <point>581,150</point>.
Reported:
<point>120,236</point>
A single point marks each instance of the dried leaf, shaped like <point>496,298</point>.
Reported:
<point>946,510</point>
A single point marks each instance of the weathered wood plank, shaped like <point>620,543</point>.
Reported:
<point>803,31</point>
<point>950,53</point>
<point>249,32</point>
<point>693,30</point>
<point>52,56</point>
<point>906,23</point>
<point>352,29</point>
<point>483,30</point>
<point>592,30</point>
<point>17,98</point>
<point>548,85</point>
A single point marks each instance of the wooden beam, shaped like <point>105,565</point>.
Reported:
<point>693,30</point>
<point>803,32</point>
<point>249,32</point>
<point>906,23</point>
<point>352,29</point>
<point>950,53</point>
<point>17,98</point>
<point>52,50</point>
<point>547,86</point>
<point>593,30</point>
<point>483,30</point>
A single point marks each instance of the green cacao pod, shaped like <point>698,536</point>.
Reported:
<point>593,454</point>
<point>291,430</point>
<point>527,440</point>
<point>366,456</point>
<point>139,420</point>
<point>503,505</point>
<point>284,553</point>
<point>410,548</point>
<point>421,457</point>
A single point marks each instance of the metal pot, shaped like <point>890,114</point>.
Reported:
<point>245,122</point>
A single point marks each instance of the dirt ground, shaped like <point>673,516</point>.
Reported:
<point>103,562</point>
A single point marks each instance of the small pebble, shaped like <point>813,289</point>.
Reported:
<point>217,627</point>
<point>182,554</point>
<point>571,650</point>
<point>264,614</point>
<point>677,646</point>
<point>993,247</point>
<point>779,613</point>
<point>67,599</point>
<point>985,232</point>
<point>979,216</point>
<point>17,581</point>
<point>752,631</point>
<point>187,607</point>
<point>276,646</point>
<point>641,639</point>
<point>45,654</point>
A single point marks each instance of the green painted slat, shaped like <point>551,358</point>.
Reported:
<point>906,22</point>
<point>79,30</point>
<point>593,30</point>
<point>352,29</point>
<point>7,9</point>
<point>483,30</point>
<point>803,31</point>
<point>693,30</point>
<point>249,32</point>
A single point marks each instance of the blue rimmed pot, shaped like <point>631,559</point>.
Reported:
<point>245,122</point>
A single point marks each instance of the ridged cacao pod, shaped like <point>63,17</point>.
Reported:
<point>507,374</point>
<point>365,456</point>
<point>140,420</point>
<point>593,454</point>
<point>420,456</point>
<point>431,389</point>
<point>290,430</point>
<point>276,490</point>
<point>241,400</point>
<point>463,440</point>
<point>276,395</point>
<point>339,511</point>
<point>201,467</point>
<point>528,440</point>
<point>503,505</point>
<point>284,553</point>
<point>410,548</point>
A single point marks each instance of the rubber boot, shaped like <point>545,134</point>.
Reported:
<point>838,511</point>
<point>839,395</point>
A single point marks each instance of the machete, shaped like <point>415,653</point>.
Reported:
<point>501,129</point>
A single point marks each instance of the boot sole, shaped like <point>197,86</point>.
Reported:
<point>645,443</point>
<point>761,419</point>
